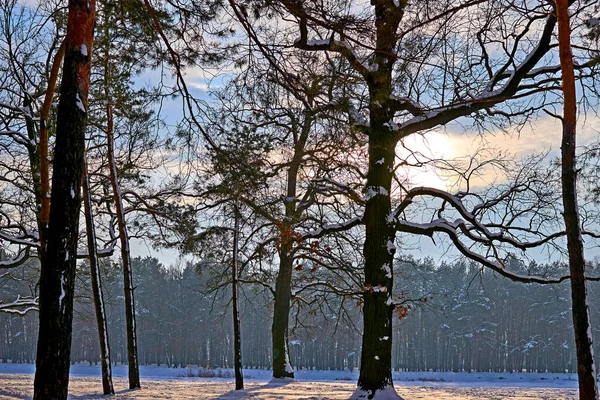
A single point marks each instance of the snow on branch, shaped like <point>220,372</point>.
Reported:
<point>25,239</point>
<point>490,95</point>
<point>470,225</point>
<point>21,306</point>
<point>443,226</point>
<point>332,228</point>
<point>398,103</point>
<point>336,46</point>
<point>472,228</point>
<point>17,261</point>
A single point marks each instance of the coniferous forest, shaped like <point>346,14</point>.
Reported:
<point>460,320</point>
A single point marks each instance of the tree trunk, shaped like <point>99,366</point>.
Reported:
<point>281,315</point>
<point>58,272</point>
<point>43,154</point>
<point>376,355</point>
<point>237,339</point>
<point>283,285</point>
<point>132,353</point>
<point>588,388</point>
<point>107,385</point>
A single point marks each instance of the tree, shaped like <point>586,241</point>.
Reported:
<point>295,111</point>
<point>588,387</point>
<point>96,282</point>
<point>59,259</point>
<point>422,68</point>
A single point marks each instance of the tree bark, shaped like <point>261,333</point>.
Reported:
<point>237,339</point>
<point>281,315</point>
<point>107,385</point>
<point>43,154</point>
<point>588,389</point>
<point>283,284</point>
<point>58,272</point>
<point>376,355</point>
<point>132,352</point>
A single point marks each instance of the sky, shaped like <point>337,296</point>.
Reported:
<point>540,134</point>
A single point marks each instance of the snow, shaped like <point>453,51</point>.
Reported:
<point>371,67</point>
<point>79,103</point>
<point>62,288</point>
<point>391,247</point>
<point>84,51</point>
<point>373,191</point>
<point>332,227</point>
<point>592,22</point>
<point>72,193</point>
<point>288,366</point>
<point>388,270</point>
<point>380,161</point>
<point>387,393</point>
<point>392,126</point>
<point>16,382</point>
<point>357,117</point>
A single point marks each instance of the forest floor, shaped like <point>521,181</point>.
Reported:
<point>163,383</point>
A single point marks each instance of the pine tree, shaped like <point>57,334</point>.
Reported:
<point>59,259</point>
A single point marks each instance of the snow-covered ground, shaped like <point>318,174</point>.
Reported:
<point>16,382</point>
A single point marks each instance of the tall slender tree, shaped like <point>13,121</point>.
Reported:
<point>235,301</point>
<point>58,272</point>
<point>588,387</point>
<point>132,353</point>
<point>96,281</point>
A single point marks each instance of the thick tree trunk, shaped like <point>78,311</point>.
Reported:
<point>376,356</point>
<point>237,338</point>
<point>588,388</point>
<point>107,385</point>
<point>375,379</point>
<point>58,272</point>
<point>132,352</point>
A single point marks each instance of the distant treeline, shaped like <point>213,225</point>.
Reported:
<point>454,317</point>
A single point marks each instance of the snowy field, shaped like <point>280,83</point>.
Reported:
<point>16,382</point>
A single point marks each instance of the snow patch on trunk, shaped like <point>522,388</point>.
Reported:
<point>62,288</point>
<point>79,103</point>
<point>288,366</point>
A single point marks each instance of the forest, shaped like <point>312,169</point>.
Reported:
<point>378,185</point>
<point>470,322</point>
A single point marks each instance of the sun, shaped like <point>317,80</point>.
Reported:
<point>415,158</point>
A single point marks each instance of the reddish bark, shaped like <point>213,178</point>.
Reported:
<point>588,388</point>
<point>43,149</point>
<point>58,261</point>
